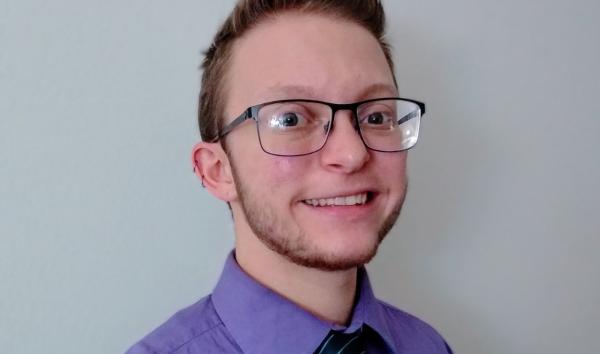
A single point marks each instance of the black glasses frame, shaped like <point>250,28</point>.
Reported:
<point>252,113</point>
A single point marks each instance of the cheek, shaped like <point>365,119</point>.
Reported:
<point>394,166</point>
<point>284,171</point>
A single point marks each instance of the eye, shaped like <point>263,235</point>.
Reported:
<point>376,118</point>
<point>293,117</point>
<point>286,120</point>
<point>378,115</point>
<point>289,119</point>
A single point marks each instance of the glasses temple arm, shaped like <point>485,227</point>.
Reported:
<point>229,127</point>
<point>408,117</point>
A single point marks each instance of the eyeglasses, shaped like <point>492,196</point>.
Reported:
<point>300,127</point>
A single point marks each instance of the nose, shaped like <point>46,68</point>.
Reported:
<point>344,150</point>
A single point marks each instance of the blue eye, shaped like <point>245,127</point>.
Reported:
<point>289,119</point>
<point>376,118</point>
<point>292,117</point>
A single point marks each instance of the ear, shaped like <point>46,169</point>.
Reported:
<point>211,166</point>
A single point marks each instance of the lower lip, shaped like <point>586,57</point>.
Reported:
<point>346,212</point>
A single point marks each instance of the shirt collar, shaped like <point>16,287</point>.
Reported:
<point>249,310</point>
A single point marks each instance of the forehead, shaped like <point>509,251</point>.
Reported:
<point>299,55</point>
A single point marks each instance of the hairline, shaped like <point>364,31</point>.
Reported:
<point>222,90</point>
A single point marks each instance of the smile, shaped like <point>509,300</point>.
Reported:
<point>357,199</point>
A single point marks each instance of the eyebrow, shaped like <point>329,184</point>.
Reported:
<point>298,91</point>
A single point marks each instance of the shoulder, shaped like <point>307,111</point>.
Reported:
<point>196,326</point>
<point>412,333</point>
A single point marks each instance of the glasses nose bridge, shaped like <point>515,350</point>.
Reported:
<point>344,107</point>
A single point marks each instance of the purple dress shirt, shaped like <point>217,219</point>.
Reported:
<point>243,316</point>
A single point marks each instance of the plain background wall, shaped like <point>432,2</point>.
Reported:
<point>105,232</point>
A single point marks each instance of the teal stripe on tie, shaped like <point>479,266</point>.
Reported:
<point>347,344</point>
<point>325,344</point>
<point>342,343</point>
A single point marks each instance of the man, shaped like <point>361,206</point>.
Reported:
<point>305,138</point>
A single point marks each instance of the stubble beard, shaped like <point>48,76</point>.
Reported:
<point>294,244</point>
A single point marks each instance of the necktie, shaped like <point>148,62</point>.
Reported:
<point>342,343</point>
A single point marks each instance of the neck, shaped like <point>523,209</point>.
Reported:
<point>328,295</point>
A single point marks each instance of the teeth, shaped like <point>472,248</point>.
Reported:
<point>349,200</point>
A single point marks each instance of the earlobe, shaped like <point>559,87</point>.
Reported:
<point>211,166</point>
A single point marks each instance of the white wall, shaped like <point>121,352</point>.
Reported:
<point>104,231</point>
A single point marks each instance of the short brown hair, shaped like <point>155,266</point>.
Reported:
<point>247,14</point>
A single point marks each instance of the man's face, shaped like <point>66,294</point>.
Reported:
<point>313,57</point>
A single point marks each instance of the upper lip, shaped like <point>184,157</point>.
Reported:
<point>346,193</point>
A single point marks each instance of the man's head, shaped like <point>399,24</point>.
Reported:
<point>318,50</point>
<point>248,14</point>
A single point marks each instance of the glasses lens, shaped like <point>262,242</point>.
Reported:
<point>293,127</point>
<point>389,125</point>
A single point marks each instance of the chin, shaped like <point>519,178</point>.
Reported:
<point>337,257</point>
<point>336,262</point>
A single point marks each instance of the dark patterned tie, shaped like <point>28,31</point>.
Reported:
<point>342,343</point>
